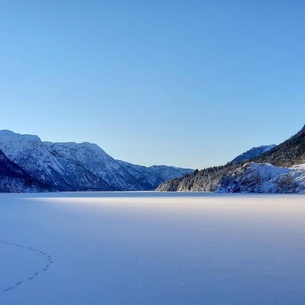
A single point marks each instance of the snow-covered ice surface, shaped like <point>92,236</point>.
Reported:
<point>151,249</point>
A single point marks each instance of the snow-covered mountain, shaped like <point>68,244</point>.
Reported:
<point>79,167</point>
<point>276,169</point>
<point>252,153</point>
<point>154,175</point>
<point>86,159</point>
<point>15,179</point>
<point>32,155</point>
<point>264,178</point>
<point>209,179</point>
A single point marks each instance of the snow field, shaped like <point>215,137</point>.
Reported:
<point>151,248</point>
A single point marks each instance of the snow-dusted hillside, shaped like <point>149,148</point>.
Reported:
<point>286,174</point>
<point>79,167</point>
<point>264,178</point>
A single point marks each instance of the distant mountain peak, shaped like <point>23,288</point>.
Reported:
<point>9,135</point>
<point>252,153</point>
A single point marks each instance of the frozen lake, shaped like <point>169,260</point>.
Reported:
<point>151,249</point>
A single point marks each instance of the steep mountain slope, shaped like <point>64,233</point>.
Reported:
<point>290,152</point>
<point>253,153</point>
<point>33,156</point>
<point>15,179</point>
<point>86,157</point>
<point>79,167</point>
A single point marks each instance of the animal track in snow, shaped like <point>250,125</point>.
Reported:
<point>49,261</point>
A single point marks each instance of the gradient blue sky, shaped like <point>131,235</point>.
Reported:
<point>185,83</point>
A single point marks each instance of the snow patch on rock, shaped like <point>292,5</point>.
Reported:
<point>264,178</point>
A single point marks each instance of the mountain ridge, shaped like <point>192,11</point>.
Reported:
<point>73,166</point>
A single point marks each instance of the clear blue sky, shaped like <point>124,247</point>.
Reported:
<point>185,83</point>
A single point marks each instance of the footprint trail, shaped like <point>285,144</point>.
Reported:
<point>48,262</point>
